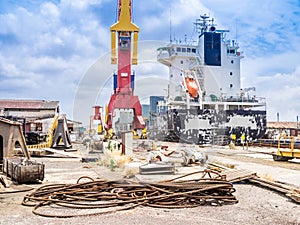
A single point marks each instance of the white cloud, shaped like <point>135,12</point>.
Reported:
<point>51,48</point>
<point>8,69</point>
<point>181,14</point>
<point>269,63</point>
<point>50,10</point>
<point>184,11</point>
<point>48,47</point>
<point>8,23</point>
<point>276,77</point>
<point>80,4</point>
<point>283,94</point>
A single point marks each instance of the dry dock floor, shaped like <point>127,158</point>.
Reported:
<point>256,205</point>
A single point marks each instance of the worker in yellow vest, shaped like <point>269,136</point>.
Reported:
<point>243,138</point>
<point>232,142</point>
<point>135,134</point>
<point>233,138</point>
<point>144,134</point>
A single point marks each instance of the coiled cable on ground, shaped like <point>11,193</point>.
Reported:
<point>104,196</point>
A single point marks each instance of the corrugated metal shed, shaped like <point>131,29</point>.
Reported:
<point>28,104</point>
<point>282,125</point>
<point>10,122</point>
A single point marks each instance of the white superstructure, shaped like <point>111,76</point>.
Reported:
<point>205,98</point>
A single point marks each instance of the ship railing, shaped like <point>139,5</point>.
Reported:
<point>163,53</point>
<point>261,99</point>
<point>163,56</point>
<point>214,98</point>
<point>252,99</point>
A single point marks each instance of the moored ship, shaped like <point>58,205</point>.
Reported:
<point>205,103</point>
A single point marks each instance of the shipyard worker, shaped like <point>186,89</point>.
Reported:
<point>233,138</point>
<point>144,134</point>
<point>243,138</point>
<point>135,134</point>
<point>232,142</point>
<point>87,142</point>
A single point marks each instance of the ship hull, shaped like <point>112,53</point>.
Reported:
<point>209,126</point>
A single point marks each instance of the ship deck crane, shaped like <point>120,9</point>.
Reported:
<point>124,108</point>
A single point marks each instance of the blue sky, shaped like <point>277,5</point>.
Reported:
<point>59,50</point>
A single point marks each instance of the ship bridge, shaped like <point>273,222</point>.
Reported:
<point>166,54</point>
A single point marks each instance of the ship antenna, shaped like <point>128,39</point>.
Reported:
<point>170,25</point>
<point>236,33</point>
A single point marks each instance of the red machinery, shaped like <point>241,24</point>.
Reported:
<point>124,109</point>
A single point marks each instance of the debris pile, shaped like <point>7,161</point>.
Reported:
<point>111,196</point>
<point>183,156</point>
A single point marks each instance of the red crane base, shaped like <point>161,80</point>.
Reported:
<point>125,101</point>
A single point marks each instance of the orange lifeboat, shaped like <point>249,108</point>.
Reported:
<point>191,86</point>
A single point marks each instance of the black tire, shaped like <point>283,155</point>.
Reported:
<point>281,158</point>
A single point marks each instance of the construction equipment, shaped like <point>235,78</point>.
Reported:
<point>144,134</point>
<point>57,136</point>
<point>19,169</point>
<point>61,136</point>
<point>285,154</point>
<point>11,134</point>
<point>124,108</point>
<point>109,134</point>
<point>135,134</point>
<point>49,138</point>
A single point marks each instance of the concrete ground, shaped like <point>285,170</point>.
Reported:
<point>256,205</point>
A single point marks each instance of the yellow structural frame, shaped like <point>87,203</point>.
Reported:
<point>289,152</point>
<point>124,24</point>
<point>50,135</point>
